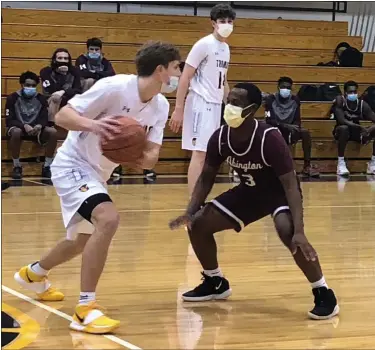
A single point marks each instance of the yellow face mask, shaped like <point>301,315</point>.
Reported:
<point>233,115</point>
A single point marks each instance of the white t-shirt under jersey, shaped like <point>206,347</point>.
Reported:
<point>210,57</point>
<point>112,96</point>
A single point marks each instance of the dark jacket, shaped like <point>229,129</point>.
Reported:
<point>102,68</point>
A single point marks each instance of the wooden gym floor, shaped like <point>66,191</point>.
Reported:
<point>149,267</point>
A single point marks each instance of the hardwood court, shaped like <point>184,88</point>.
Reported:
<point>150,266</point>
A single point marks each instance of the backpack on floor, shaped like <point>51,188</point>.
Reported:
<point>350,57</point>
<point>369,96</point>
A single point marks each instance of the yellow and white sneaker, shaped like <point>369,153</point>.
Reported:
<point>28,279</point>
<point>90,319</point>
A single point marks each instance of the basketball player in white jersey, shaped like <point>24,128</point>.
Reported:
<point>80,172</point>
<point>205,77</point>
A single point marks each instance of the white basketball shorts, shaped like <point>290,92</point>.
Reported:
<point>201,119</point>
<point>74,186</point>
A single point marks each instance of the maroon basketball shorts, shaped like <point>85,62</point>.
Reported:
<point>244,204</point>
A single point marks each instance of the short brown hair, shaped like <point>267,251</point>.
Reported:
<point>153,54</point>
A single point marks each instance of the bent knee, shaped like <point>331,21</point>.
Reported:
<point>342,129</point>
<point>105,217</point>
<point>15,133</point>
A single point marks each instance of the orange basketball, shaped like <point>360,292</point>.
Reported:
<point>126,147</point>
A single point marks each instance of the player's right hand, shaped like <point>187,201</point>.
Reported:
<point>28,129</point>
<point>180,221</point>
<point>175,122</point>
<point>106,127</point>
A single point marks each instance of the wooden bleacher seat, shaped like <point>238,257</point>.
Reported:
<point>170,22</point>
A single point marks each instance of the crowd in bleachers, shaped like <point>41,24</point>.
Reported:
<point>30,115</point>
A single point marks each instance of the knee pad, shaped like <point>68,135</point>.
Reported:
<point>88,206</point>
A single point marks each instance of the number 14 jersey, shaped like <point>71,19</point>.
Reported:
<point>210,57</point>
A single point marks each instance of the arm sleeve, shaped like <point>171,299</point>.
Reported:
<point>10,113</point>
<point>97,100</point>
<point>108,70</point>
<point>83,71</point>
<point>47,84</point>
<point>157,132</point>
<point>43,114</point>
<point>76,87</point>
<point>368,113</point>
<point>297,115</point>
<point>197,54</point>
<point>213,156</point>
<point>277,154</point>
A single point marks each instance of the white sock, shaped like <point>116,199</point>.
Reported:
<point>320,283</point>
<point>214,273</point>
<point>373,159</point>
<point>86,297</point>
<point>341,159</point>
<point>36,268</point>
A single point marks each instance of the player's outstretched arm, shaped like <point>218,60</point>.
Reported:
<point>202,189</point>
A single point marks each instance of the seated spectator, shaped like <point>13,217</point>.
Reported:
<point>92,65</point>
<point>283,110</point>
<point>60,81</point>
<point>26,114</point>
<point>349,110</point>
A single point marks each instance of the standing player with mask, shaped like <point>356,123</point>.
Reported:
<point>205,77</point>
<point>80,172</point>
<point>269,186</point>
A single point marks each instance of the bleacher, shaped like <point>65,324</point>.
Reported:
<point>259,53</point>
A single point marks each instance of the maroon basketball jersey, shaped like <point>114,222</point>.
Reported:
<point>259,162</point>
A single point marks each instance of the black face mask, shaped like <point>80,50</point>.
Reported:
<point>60,64</point>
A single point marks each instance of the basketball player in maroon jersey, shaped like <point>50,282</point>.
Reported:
<point>269,186</point>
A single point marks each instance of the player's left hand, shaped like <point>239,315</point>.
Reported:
<point>300,241</point>
<point>181,220</point>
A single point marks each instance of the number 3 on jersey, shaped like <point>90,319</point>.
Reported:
<point>249,180</point>
<point>221,80</point>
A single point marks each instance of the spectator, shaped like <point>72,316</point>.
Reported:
<point>283,110</point>
<point>26,114</point>
<point>92,65</point>
<point>60,81</point>
<point>348,111</point>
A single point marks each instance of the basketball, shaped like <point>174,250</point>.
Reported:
<point>127,146</point>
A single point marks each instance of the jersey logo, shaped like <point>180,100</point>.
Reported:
<point>46,83</point>
<point>125,108</point>
<point>84,188</point>
<point>194,141</point>
<point>82,66</point>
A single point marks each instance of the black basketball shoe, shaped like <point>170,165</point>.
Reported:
<point>325,304</point>
<point>211,288</point>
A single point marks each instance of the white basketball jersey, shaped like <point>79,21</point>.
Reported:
<point>112,96</point>
<point>210,57</point>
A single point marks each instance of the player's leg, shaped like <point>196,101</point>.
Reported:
<point>201,119</point>
<point>325,300</point>
<point>305,136</point>
<point>195,169</point>
<point>15,142</point>
<point>342,135</point>
<point>230,210</point>
<point>206,223</point>
<point>48,138</point>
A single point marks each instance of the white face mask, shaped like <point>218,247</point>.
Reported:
<point>233,115</point>
<point>171,86</point>
<point>225,29</point>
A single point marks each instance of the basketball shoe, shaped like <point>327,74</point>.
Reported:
<point>90,318</point>
<point>28,279</point>
<point>210,289</point>
<point>326,305</point>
